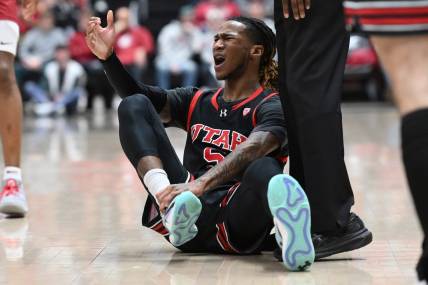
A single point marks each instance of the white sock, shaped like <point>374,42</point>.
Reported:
<point>12,172</point>
<point>156,180</point>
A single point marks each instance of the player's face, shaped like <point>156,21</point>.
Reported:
<point>231,50</point>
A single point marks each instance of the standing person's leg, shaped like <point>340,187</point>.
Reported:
<point>296,166</point>
<point>10,111</point>
<point>146,144</point>
<point>314,51</point>
<point>12,197</point>
<point>314,60</point>
<point>405,60</point>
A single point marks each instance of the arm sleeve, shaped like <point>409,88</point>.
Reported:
<point>179,100</point>
<point>125,85</point>
<point>269,117</point>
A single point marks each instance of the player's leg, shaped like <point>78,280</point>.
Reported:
<point>262,200</point>
<point>147,146</point>
<point>405,60</point>
<point>12,198</point>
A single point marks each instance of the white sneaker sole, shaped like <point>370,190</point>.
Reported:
<point>13,207</point>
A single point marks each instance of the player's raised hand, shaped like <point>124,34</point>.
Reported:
<point>29,7</point>
<point>297,6</point>
<point>101,40</point>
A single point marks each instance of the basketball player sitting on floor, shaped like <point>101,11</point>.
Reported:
<point>230,191</point>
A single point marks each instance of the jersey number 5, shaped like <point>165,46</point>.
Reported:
<point>211,156</point>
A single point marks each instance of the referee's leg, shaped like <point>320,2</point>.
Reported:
<point>313,53</point>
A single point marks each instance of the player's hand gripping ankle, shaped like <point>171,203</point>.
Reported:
<point>166,196</point>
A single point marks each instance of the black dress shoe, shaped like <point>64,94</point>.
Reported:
<point>355,236</point>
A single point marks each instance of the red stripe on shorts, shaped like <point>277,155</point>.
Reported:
<point>394,21</point>
<point>406,11</point>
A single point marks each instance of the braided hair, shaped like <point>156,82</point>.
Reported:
<point>261,34</point>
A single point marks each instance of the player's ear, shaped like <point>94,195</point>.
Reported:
<point>257,50</point>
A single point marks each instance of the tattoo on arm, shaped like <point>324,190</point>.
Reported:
<point>257,145</point>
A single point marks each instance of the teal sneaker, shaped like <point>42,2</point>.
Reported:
<point>292,218</point>
<point>180,218</point>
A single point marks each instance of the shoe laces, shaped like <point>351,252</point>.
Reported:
<point>11,187</point>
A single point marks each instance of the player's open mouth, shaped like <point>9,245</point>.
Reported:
<point>218,60</point>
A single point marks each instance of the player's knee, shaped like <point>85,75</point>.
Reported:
<point>132,105</point>
<point>6,75</point>
<point>260,171</point>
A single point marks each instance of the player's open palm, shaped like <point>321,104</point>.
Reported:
<point>101,40</point>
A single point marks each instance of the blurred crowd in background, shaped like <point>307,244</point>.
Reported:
<point>166,43</point>
<point>162,42</point>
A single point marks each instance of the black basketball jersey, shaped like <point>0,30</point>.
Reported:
<point>216,127</point>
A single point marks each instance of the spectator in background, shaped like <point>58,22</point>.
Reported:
<point>132,45</point>
<point>212,24</point>
<point>178,42</point>
<point>256,9</point>
<point>64,81</point>
<point>267,6</point>
<point>97,82</point>
<point>228,9</point>
<point>38,46</point>
<point>66,13</point>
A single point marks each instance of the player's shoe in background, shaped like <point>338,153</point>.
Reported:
<point>12,198</point>
<point>180,218</point>
<point>292,218</point>
<point>13,233</point>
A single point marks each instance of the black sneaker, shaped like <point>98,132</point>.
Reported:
<point>355,236</point>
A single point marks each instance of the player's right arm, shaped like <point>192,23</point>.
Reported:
<point>100,41</point>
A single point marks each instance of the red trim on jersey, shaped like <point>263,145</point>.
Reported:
<point>192,107</point>
<point>255,109</point>
<point>407,11</point>
<point>282,159</point>
<point>394,21</point>
<point>214,98</point>
<point>252,97</point>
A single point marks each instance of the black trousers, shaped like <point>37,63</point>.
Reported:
<point>312,56</point>
<point>235,217</point>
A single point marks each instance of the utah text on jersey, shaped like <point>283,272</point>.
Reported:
<point>220,139</point>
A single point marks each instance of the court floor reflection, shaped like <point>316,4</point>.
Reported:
<point>84,225</point>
